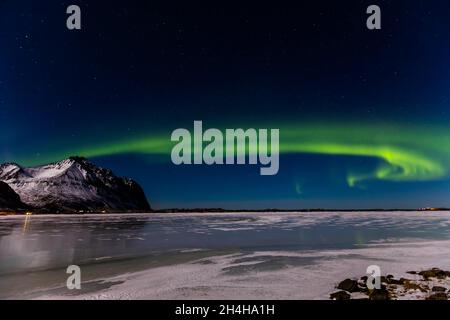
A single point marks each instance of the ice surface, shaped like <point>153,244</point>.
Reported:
<point>261,255</point>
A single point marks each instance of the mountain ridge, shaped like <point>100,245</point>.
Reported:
<point>73,185</point>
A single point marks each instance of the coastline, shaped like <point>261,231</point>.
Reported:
<point>264,255</point>
<point>206,279</point>
<point>214,210</point>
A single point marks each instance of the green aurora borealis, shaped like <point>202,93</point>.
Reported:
<point>406,153</point>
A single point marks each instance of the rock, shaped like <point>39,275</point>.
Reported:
<point>427,274</point>
<point>438,296</point>
<point>340,295</point>
<point>389,279</point>
<point>379,294</point>
<point>433,273</point>
<point>413,286</point>
<point>440,274</point>
<point>438,289</point>
<point>392,288</point>
<point>362,282</point>
<point>396,281</point>
<point>349,285</point>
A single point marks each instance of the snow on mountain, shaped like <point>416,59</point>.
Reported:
<point>74,184</point>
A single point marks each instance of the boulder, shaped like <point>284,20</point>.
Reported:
<point>433,273</point>
<point>340,295</point>
<point>397,281</point>
<point>349,285</point>
<point>438,289</point>
<point>438,296</point>
<point>379,294</point>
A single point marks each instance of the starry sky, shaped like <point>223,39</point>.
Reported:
<point>363,115</point>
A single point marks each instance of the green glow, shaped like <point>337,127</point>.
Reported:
<point>406,153</point>
<point>298,188</point>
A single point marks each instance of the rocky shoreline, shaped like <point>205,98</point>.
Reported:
<point>431,284</point>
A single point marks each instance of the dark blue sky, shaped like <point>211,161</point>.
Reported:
<point>140,69</point>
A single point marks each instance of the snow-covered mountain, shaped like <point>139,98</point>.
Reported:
<point>74,184</point>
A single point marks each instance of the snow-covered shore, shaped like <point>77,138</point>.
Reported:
<point>312,275</point>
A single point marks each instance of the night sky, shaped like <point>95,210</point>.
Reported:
<point>363,115</point>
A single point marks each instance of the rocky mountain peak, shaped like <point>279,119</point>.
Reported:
<point>73,184</point>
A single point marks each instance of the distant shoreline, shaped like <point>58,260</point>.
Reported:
<point>211,210</point>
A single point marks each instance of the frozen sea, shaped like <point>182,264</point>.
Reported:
<point>264,255</point>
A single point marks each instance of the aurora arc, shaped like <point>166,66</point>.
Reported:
<point>406,153</point>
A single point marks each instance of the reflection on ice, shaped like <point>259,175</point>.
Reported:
<point>111,245</point>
